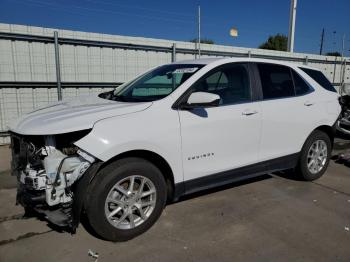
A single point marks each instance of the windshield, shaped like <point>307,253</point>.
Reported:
<point>155,84</point>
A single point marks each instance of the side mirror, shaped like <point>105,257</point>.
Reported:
<point>169,75</point>
<point>202,99</point>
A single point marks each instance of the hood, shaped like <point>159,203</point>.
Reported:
<point>72,115</point>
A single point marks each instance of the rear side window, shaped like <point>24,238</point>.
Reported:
<point>319,78</point>
<point>276,81</point>
<point>301,87</point>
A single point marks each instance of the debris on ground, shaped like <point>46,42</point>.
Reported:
<point>93,254</point>
<point>343,159</point>
<point>347,229</point>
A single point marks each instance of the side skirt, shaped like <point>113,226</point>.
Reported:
<point>234,175</point>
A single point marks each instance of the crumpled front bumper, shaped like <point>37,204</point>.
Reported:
<point>38,197</point>
<point>65,215</point>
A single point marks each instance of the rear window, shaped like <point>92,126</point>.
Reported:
<point>320,78</point>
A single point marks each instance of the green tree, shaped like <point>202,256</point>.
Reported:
<point>276,42</point>
<point>333,54</point>
<point>203,41</point>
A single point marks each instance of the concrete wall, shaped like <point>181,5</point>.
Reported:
<point>30,61</point>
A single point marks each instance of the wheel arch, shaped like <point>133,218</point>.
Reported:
<point>156,160</point>
<point>329,130</point>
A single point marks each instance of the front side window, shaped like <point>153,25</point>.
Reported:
<point>276,81</point>
<point>155,84</point>
<point>230,82</point>
<point>320,78</point>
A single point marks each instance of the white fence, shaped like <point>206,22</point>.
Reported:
<point>90,63</point>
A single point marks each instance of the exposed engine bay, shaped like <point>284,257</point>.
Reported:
<point>47,169</point>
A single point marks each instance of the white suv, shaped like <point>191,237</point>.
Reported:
<point>118,157</point>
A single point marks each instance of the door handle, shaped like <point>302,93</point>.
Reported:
<point>308,103</point>
<point>249,112</point>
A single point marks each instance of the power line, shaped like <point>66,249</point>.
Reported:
<point>142,8</point>
<point>96,10</point>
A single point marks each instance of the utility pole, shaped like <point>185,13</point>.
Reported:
<point>293,11</point>
<point>199,31</point>
<point>343,46</point>
<point>322,40</point>
<point>58,69</point>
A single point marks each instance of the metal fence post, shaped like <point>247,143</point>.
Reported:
<point>173,55</point>
<point>58,69</point>
<point>335,68</point>
<point>342,72</point>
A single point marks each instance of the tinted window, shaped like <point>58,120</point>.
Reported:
<point>217,81</point>
<point>319,78</point>
<point>230,82</point>
<point>301,87</point>
<point>276,81</point>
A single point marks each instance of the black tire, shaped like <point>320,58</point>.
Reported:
<point>103,183</point>
<point>302,168</point>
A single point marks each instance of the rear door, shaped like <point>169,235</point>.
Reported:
<point>222,138</point>
<point>288,111</point>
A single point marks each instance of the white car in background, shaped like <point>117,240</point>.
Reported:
<point>118,157</point>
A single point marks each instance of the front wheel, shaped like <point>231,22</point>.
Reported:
<point>127,198</point>
<point>315,156</point>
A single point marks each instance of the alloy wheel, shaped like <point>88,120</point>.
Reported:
<point>130,202</point>
<point>317,156</point>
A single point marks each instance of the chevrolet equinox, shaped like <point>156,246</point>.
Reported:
<point>118,157</point>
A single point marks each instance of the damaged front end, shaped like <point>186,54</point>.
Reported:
<point>48,169</point>
<point>343,123</point>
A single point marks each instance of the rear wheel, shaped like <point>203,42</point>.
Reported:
<point>315,156</point>
<point>127,198</point>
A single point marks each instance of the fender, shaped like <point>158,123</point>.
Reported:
<point>140,131</point>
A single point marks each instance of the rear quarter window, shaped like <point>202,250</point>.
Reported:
<point>301,87</point>
<point>320,78</point>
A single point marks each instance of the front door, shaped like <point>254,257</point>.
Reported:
<point>218,139</point>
